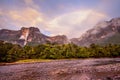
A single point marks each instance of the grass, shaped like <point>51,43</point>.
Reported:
<point>33,60</point>
<point>39,60</point>
<point>44,60</point>
<point>26,61</point>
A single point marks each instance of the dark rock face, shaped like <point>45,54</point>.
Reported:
<point>30,36</point>
<point>103,33</point>
<point>9,35</point>
<point>60,39</point>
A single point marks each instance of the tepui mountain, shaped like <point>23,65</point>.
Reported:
<point>102,33</point>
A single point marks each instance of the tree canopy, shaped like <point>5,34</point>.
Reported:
<point>13,52</point>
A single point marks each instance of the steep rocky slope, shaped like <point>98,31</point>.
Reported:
<point>103,33</point>
<point>30,36</point>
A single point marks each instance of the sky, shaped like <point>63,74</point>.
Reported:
<point>57,17</point>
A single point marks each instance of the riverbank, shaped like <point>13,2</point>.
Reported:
<point>77,69</point>
<point>29,61</point>
<point>26,61</point>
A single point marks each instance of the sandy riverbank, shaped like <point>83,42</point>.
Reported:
<point>87,69</point>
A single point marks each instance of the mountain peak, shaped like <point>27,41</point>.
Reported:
<point>115,19</point>
<point>30,28</point>
<point>103,32</point>
<point>115,22</point>
<point>30,36</point>
<point>100,33</point>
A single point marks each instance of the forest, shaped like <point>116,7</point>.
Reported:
<point>13,52</point>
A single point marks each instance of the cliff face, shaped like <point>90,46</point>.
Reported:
<point>103,33</point>
<point>30,36</point>
<point>59,39</point>
<point>9,35</point>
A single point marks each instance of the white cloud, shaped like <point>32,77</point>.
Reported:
<point>27,17</point>
<point>75,23</point>
<point>72,24</point>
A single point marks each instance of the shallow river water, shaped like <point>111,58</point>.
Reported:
<point>78,69</point>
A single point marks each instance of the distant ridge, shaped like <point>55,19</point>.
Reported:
<point>103,33</point>
<point>30,36</point>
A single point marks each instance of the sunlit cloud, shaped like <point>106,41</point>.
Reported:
<point>17,18</point>
<point>72,24</point>
<point>26,17</point>
<point>68,17</point>
<point>75,23</point>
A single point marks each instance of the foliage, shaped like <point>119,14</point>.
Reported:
<point>12,52</point>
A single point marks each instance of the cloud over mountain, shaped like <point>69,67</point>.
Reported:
<point>69,17</point>
<point>75,23</point>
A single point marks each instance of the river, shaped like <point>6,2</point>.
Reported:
<point>73,69</point>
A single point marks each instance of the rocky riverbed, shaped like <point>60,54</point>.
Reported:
<point>79,69</point>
